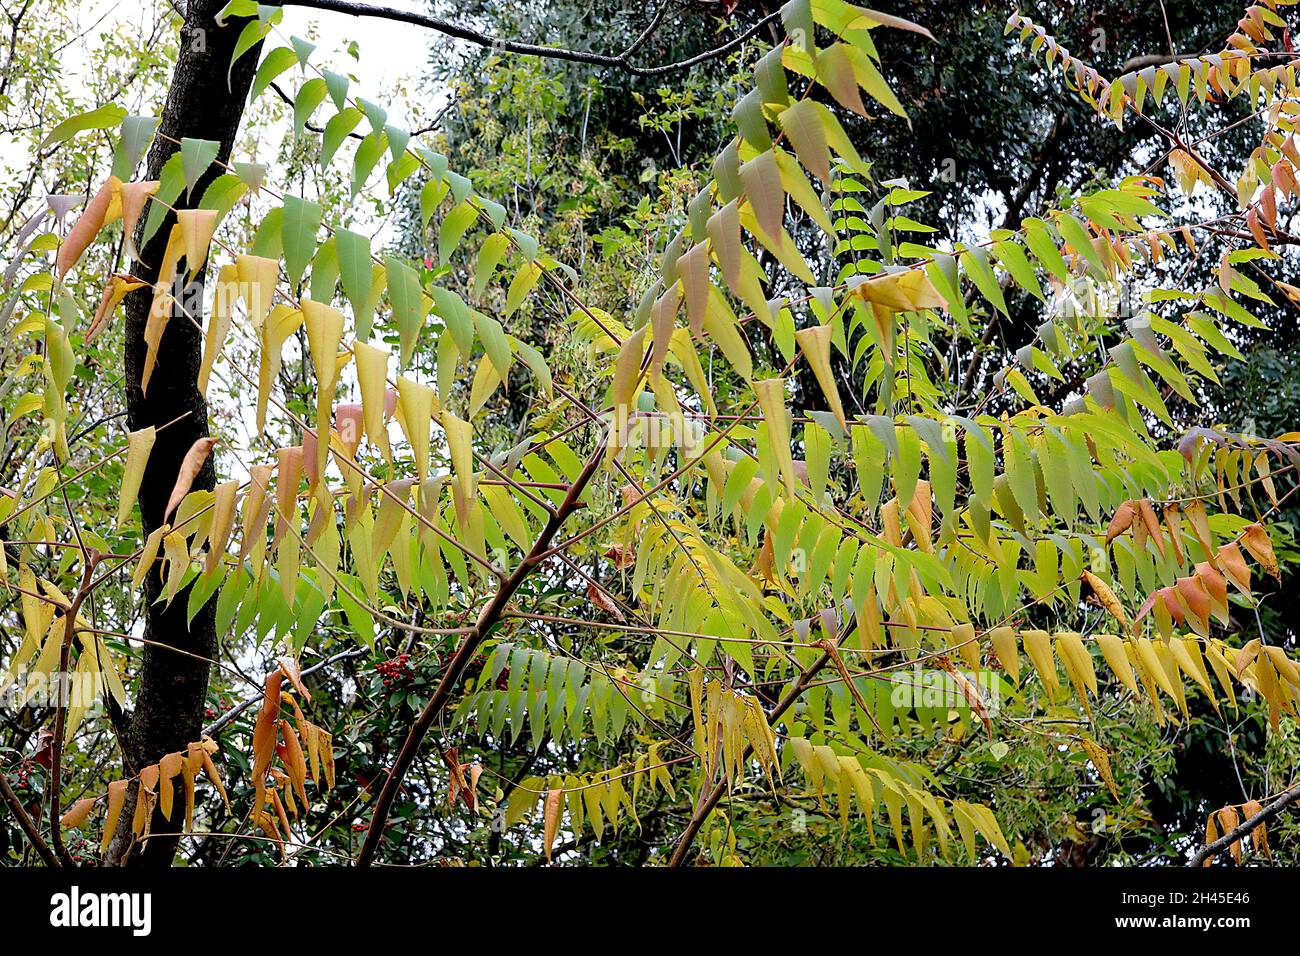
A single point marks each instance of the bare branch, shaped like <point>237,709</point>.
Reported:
<point>619,61</point>
<point>709,801</point>
<point>1247,826</point>
<point>487,619</point>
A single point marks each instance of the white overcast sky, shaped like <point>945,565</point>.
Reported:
<point>389,51</point>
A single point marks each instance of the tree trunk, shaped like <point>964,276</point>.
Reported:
<point>173,686</point>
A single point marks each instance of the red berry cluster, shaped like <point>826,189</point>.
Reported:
<point>79,848</point>
<point>21,777</point>
<point>395,670</point>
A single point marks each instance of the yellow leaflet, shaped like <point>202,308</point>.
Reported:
<point>147,555</point>
<point>214,337</point>
<point>694,269</point>
<point>138,446</point>
<point>907,290</point>
<point>1187,653</point>
<point>196,227</point>
<point>372,377</point>
<point>78,813</point>
<point>325,549</point>
<point>1078,663</point>
<point>324,325</point>
<point>486,380</point>
<point>415,408</point>
<point>288,476</point>
<point>1038,645</point>
<point>257,278</point>
<point>683,349</point>
<point>160,311</point>
<point>1165,657</point>
<point>815,343</point>
<point>663,319</point>
<point>222,523</point>
<point>1101,760</point>
<point>1151,664</point>
<point>37,615</point>
<point>47,660</point>
<point>780,244</point>
<point>256,507</point>
<point>771,399</point>
<point>134,196</point>
<point>112,682</point>
<point>116,798</point>
<point>288,559</point>
<point>114,291</point>
<point>506,513</point>
<point>388,522</point>
<point>626,385</point>
<point>168,767</point>
<point>195,515</point>
<point>178,561</point>
<point>627,369</point>
<point>459,434</point>
<point>280,324</point>
<point>1112,649</point>
<point>722,327</point>
<point>1107,597</point>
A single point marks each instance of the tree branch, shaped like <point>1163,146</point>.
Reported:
<point>1232,836</point>
<point>619,61</point>
<point>778,709</point>
<point>61,708</point>
<point>487,619</point>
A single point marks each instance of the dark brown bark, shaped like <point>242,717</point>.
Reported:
<point>169,705</point>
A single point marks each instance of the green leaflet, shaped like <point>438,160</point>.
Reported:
<point>409,304</point>
<point>299,224</point>
<point>1039,238</point>
<point>1014,260</point>
<point>975,261</point>
<point>869,458</point>
<point>197,157</point>
<point>336,131</point>
<point>457,316</point>
<point>907,466</point>
<point>104,117</point>
<point>802,124</point>
<point>1076,234</point>
<point>453,228</point>
<point>817,454</point>
<point>495,343</point>
<point>273,64</point>
<point>1020,471</point>
<point>137,134</point>
<point>1054,459</point>
<point>170,183</point>
<point>368,154</point>
<point>762,182</point>
<point>353,252</point>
